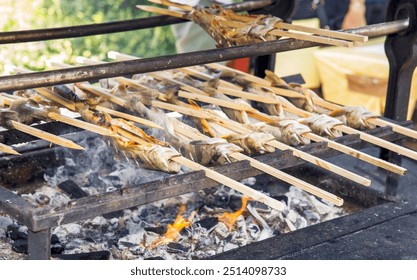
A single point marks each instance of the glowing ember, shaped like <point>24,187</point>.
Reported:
<point>229,219</point>
<point>173,230</point>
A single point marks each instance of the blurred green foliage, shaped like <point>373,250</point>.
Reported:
<point>57,13</point>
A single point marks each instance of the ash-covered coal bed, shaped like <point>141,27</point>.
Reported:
<point>193,226</point>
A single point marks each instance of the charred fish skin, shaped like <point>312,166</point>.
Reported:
<point>65,92</point>
<point>252,143</point>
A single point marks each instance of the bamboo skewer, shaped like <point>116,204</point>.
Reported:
<point>172,4</point>
<point>128,117</point>
<point>359,155</point>
<point>81,124</point>
<point>300,154</point>
<point>275,204</point>
<point>74,122</point>
<point>215,101</point>
<point>290,179</point>
<point>103,93</point>
<point>323,32</point>
<point>45,136</point>
<point>376,121</point>
<point>48,94</point>
<point>8,150</point>
<point>312,38</point>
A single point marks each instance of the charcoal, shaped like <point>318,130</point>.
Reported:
<point>208,222</point>
<point>260,207</point>
<point>57,249</point>
<point>54,239</point>
<point>158,230</point>
<point>235,202</point>
<point>174,247</point>
<point>282,198</point>
<point>72,189</point>
<point>12,232</point>
<point>20,246</point>
<point>127,244</point>
<point>98,255</point>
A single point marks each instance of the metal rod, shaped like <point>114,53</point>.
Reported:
<point>109,27</point>
<point>39,244</point>
<point>137,66</point>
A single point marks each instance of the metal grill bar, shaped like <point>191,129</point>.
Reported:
<point>137,66</point>
<point>109,27</point>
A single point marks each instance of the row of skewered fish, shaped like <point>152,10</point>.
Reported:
<point>227,130</point>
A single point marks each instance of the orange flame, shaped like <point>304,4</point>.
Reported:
<point>173,230</point>
<point>229,219</point>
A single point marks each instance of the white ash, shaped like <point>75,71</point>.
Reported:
<point>101,169</point>
<point>134,233</point>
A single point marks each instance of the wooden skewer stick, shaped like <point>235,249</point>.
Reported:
<point>379,142</point>
<point>312,38</point>
<point>273,203</point>
<point>48,94</point>
<point>290,179</point>
<point>323,32</point>
<point>281,25</point>
<point>322,163</point>
<point>395,127</point>
<point>235,126</point>
<point>8,150</point>
<point>215,101</point>
<point>157,10</point>
<point>128,117</point>
<point>81,124</point>
<point>172,4</point>
<point>376,121</point>
<point>358,154</point>
<point>74,122</point>
<point>46,136</point>
<point>104,93</point>
<point>273,172</point>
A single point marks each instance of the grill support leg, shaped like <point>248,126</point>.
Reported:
<point>401,50</point>
<point>39,244</point>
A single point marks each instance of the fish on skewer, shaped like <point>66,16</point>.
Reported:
<point>21,113</point>
<point>230,29</point>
